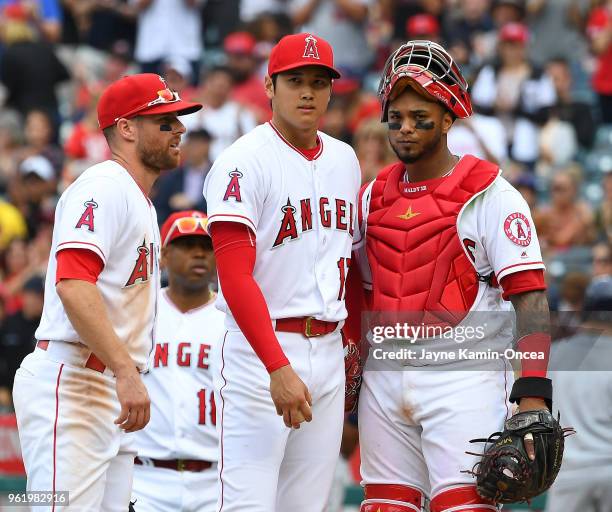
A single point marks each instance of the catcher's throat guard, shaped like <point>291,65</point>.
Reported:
<point>433,70</point>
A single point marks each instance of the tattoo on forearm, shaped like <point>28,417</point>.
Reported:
<point>532,313</point>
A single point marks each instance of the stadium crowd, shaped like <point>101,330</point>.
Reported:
<point>540,75</point>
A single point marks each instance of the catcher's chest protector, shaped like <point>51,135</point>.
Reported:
<point>417,260</point>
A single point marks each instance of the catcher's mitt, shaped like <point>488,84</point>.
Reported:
<point>353,368</point>
<point>505,474</point>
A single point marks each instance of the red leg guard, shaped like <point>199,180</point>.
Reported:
<point>461,499</point>
<point>392,498</point>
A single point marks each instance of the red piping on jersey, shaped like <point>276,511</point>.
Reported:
<point>232,215</point>
<point>222,411</point>
<point>83,243</point>
<point>519,265</point>
<point>319,140</point>
<point>59,374</point>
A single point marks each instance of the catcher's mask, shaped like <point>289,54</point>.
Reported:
<point>434,72</point>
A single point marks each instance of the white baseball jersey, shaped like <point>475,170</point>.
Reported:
<point>302,212</point>
<point>183,412</point>
<point>106,212</point>
<point>497,232</point>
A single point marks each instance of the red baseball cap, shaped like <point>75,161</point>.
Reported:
<point>422,24</point>
<point>241,43</point>
<point>142,94</point>
<point>297,50</point>
<point>184,223</point>
<point>514,32</point>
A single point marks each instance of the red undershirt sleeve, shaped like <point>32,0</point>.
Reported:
<point>234,246</point>
<point>81,264</point>
<point>521,282</point>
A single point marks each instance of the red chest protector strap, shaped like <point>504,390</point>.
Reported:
<point>418,261</point>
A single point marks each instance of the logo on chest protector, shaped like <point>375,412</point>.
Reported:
<point>144,264</point>
<point>518,229</point>
<point>87,217</point>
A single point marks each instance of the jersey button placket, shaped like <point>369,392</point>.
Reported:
<point>321,235</point>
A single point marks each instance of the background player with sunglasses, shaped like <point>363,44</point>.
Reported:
<point>445,236</point>
<point>281,205</point>
<point>176,467</point>
<point>79,394</point>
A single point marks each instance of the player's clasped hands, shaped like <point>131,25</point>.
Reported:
<point>134,400</point>
<point>290,396</point>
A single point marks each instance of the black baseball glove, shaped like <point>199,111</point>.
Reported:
<point>505,474</point>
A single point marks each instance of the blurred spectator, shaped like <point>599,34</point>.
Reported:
<point>423,26</point>
<point>343,24</point>
<point>250,9</point>
<point>508,11</point>
<point>168,27</point>
<point>573,288</point>
<point>181,189</point>
<point>470,34</point>
<point>224,119</point>
<point>549,18</point>
<point>12,225</point>
<point>567,221</point>
<point>602,260</point>
<point>17,332</point>
<point>566,108</point>
<point>39,139</point>
<point>558,147</point>
<point>372,148</point>
<point>599,30</point>
<point>33,191</point>
<point>29,68</point>
<point>481,136</point>
<point>604,212</point>
<point>335,121</point>
<point>526,185</point>
<point>10,138</point>
<point>178,74</point>
<point>44,15</point>
<point>85,145</point>
<point>583,396</point>
<point>516,92</point>
<point>99,23</point>
<point>243,63</point>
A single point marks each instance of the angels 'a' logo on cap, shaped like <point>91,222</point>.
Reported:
<point>310,48</point>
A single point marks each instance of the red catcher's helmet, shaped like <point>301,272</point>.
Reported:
<point>429,66</point>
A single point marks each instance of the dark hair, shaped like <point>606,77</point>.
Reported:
<point>109,134</point>
<point>559,59</point>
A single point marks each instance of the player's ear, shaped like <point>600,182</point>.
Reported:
<point>126,129</point>
<point>447,121</point>
<point>269,86</point>
<point>163,257</point>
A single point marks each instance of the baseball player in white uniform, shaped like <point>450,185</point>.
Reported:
<point>445,236</point>
<point>79,394</point>
<point>281,204</point>
<point>176,466</point>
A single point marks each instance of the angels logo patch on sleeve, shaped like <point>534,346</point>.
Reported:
<point>87,217</point>
<point>518,229</point>
<point>233,187</point>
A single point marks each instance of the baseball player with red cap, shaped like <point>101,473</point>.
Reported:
<point>176,467</point>
<point>440,239</point>
<point>281,205</point>
<point>79,394</point>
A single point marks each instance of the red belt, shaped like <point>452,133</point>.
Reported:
<point>93,363</point>
<point>306,325</point>
<point>176,464</point>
